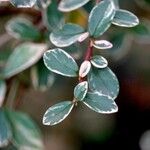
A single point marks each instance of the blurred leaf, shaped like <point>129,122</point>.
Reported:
<point>103,81</point>
<point>23,3</point>
<point>125,18</point>
<point>100,103</point>
<point>43,3</point>
<point>57,113</point>
<point>80,90</point>
<point>2,91</point>
<point>69,5</point>
<point>84,68</point>
<point>52,17</point>
<point>102,44</point>
<point>26,134</point>
<point>5,131</point>
<point>24,56</point>
<point>22,28</point>
<point>60,62</point>
<point>66,36</point>
<point>41,77</point>
<point>100,18</point>
<point>99,61</point>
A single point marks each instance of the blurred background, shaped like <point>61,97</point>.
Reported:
<point>129,129</point>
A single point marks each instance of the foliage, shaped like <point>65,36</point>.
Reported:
<point>97,85</point>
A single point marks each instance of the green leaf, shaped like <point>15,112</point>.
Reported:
<point>99,61</point>
<point>2,91</point>
<point>23,56</point>
<point>5,131</point>
<point>60,62</point>
<point>69,5</point>
<point>103,81</point>
<point>22,28</point>
<point>125,18</point>
<point>53,19</point>
<point>100,103</point>
<point>42,78</point>
<point>26,134</point>
<point>80,90</point>
<point>100,18</point>
<point>102,44</point>
<point>57,113</point>
<point>66,36</point>
<point>23,3</point>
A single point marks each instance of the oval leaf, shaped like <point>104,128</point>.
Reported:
<point>57,113</point>
<point>66,36</point>
<point>81,90</point>
<point>53,19</point>
<point>102,44</point>
<point>84,68</point>
<point>100,18</point>
<point>83,36</point>
<point>2,91</point>
<point>60,62</point>
<point>103,81</point>
<point>100,103</point>
<point>69,5</point>
<point>99,61</point>
<point>23,3</point>
<point>125,18</point>
<point>22,29</point>
<point>5,131</point>
<point>25,131</point>
<point>24,56</point>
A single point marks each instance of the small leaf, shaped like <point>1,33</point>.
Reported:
<point>83,36</point>
<point>125,18</point>
<point>52,18</point>
<point>22,28</point>
<point>84,68</point>
<point>57,113</point>
<point>100,18</point>
<point>66,36</point>
<point>2,91</point>
<point>69,5</point>
<point>81,90</point>
<point>103,81</point>
<point>26,134</point>
<point>5,131</point>
<point>24,56</point>
<point>99,61</point>
<point>23,3</point>
<point>100,103</point>
<point>102,44</point>
<point>60,62</point>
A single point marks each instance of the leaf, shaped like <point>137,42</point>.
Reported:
<point>23,56</point>
<point>2,91</point>
<point>57,113</point>
<point>5,131</point>
<point>84,68</point>
<point>52,18</point>
<point>66,36</point>
<point>103,81</point>
<point>100,103</point>
<point>22,28</point>
<point>83,36</point>
<point>23,3</point>
<point>99,61</point>
<point>69,5</point>
<point>26,134</point>
<point>102,44</point>
<point>60,62</point>
<point>125,18</point>
<point>42,78</point>
<point>100,18</point>
<point>43,4</point>
<point>80,90</point>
